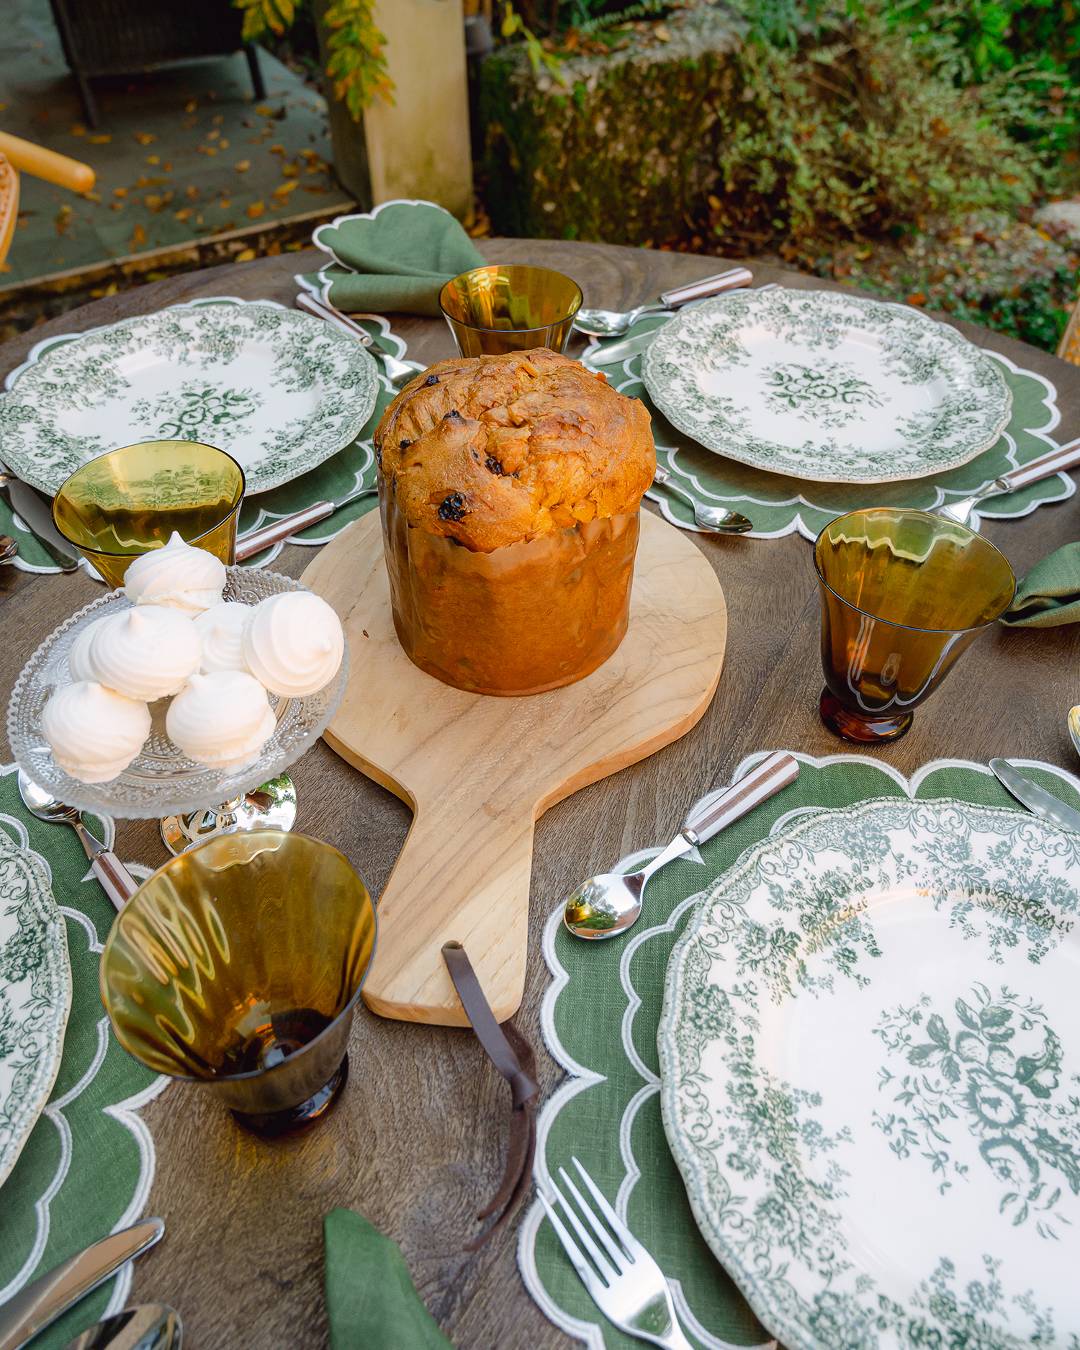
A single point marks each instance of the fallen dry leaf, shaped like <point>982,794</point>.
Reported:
<point>225,203</point>
<point>145,137</point>
<point>217,119</point>
<point>63,219</point>
<point>210,150</point>
<point>213,135</point>
<point>264,110</point>
<point>255,210</point>
<point>138,237</point>
<point>183,214</point>
<point>290,170</point>
<point>102,138</point>
<point>119,192</point>
<point>77,129</point>
<point>153,159</point>
<point>242,165</point>
<point>223,144</point>
<point>283,189</point>
<point>245,255</point>
<point>191,192</point>
<point>116,206</point>
<point>277,149</point>
<point>190,106</point>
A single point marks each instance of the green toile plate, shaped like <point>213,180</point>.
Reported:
<point>870,1068</point>
<point>35,995</point>
<point>88,1163</point>
<point>278,389</point>
<point>779,504</point>
<point>826,386</point>
<point>335,478</point>
<point>600,1018</point>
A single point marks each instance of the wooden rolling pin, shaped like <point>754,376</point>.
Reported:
<point>35,160</point>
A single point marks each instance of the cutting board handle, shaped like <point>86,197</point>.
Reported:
<point>463,861</point>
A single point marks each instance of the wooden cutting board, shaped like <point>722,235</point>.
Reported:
<point>478,771</point>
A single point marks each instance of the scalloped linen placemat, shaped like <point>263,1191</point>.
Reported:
<point>600,1017</point>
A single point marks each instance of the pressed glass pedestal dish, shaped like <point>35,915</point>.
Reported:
<point>193,801</point>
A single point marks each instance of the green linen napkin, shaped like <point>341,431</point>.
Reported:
<point>1050,593</point>
<point>397,258</point>
<point>370,1298</point>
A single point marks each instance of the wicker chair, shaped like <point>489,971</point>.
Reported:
<point>115,37</point>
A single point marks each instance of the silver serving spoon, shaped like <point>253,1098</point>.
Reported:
<point>147,1326</point>
<point>9,549</point>
<point>712,518</point>
<point>1074,727</point>
<point>609,904</point>
<point>397,372</point>
<point>116,881</point>
<point>608,323</point>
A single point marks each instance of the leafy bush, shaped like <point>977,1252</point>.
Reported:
<point>853,132</point>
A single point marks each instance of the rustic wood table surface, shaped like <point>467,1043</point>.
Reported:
<point>417,1140</point>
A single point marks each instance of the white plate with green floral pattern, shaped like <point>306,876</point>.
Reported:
<point>870,1064</point>
<point>825,386</point>
<point>278,389</point>
<point>35,995</point>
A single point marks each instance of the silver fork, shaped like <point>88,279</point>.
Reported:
<point>1054,461</point>
<point>397,372</point>
<point>623,1280</point>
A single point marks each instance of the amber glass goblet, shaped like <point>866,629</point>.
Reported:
<point>903,593</point>
<point>238,965</point>
<point>510,308</point>
<point>131,500</point>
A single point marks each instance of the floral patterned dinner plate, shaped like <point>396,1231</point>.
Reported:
<point>35,995</point>
<point>825,386</point>
<point>278,389</point>
<point>870,1064</point>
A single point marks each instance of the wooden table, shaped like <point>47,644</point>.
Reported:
<point>417,1141</point>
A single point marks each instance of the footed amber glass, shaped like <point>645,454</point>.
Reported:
<point>238,965</point>
<point>510,308</point>
<point>131,500</point>
<point>903,594</point>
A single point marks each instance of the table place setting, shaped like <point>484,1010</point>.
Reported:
<point>816,1081</point>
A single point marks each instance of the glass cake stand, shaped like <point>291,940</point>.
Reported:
<point>193,802</point>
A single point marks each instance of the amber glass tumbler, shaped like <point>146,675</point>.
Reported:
<point>238,965</point>
<point>510,308</point>
<point>903,593</point>
<point>131,500</point>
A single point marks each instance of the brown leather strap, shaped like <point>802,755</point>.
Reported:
<point>513,1056</point>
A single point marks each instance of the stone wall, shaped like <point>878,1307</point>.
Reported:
<point>623,149</point>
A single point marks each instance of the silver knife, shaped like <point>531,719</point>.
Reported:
<point>268,535</point>
<point>622,351</point>
<point>1035,798</point>
<point>39,1305</point>
<point>36,514</point>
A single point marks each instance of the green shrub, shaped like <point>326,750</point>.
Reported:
<point>854,132</point>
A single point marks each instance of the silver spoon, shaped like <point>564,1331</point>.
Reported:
<point>609,904</point>
<point>116,881</point>
<point>615,322</point>
<point>9,549</point>
<point>712,518</point>
<point>1074,727</point>
<point>147,1326</point>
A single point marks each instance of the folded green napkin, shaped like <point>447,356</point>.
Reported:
<point>1050,593</point>
<point>370,1298</point>
<point>396,258</point>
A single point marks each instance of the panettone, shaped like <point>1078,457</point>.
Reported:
<point>509,488</point>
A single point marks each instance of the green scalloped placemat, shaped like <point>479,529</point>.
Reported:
<point>349,469</point>
<point>87,1166</point>
<point>779,505</point>
<point>600,1018</point>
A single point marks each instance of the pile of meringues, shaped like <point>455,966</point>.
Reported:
<point>217,660</point>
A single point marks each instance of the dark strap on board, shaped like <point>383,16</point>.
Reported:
<point>513,1056</point>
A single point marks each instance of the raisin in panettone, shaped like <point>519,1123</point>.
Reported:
<point>509,488</point>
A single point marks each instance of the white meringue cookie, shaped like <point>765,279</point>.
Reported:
<point>145,652</point>
<point>187,578</point>
<point>294,644</point>
<point>221,629</point>
<point>80,663</point>
<point>222,720</point>
<point>94,733</point>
